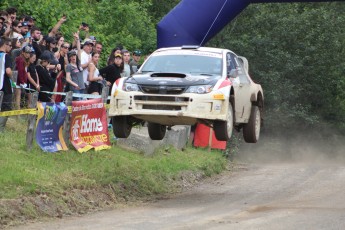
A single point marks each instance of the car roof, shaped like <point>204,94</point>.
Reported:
<point>198,48</point>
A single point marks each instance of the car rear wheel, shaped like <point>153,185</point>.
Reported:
<point>251,130</point>
<point>156,131</point>
<point>121,126</point>
<point>223,129</point>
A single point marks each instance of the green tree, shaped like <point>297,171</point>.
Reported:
<point>296,54</point>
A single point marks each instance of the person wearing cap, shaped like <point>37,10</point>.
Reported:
<point>5,80</point>
<point>112,72</point>
<point>85,59</point>
<point>25,29</point>
<point>22,62</point>
<point>111,58</point>
<point>46,81</point>
<point>135,61</point>
<point>54,67</point>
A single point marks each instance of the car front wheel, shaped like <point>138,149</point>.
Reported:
<point>121,126</point>
<point>251,130</point>
<point>223,129</point>
<point>156,131</point>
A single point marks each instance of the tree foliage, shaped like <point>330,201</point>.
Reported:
<point>295,51</point>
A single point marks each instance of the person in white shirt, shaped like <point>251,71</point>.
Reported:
<point>126,58</point>
<point>86,59</point>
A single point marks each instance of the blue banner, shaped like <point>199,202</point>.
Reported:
<point>50,119</point>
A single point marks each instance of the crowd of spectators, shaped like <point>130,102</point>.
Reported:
<point>32,62</point>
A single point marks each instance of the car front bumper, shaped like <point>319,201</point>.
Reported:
<point>183,109</point>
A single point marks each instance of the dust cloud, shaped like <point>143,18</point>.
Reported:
<point>302,147</point>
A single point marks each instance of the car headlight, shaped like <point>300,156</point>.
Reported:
<point>200,89</point>
<point>128,87</point>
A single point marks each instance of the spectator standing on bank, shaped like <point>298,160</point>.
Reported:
<point>126,58</point>
<point>5,80</point>
<point>98,47</point>
<point>86,59</point>
<point>95,79</point>
<point>61,79</point>
<point>47,83</point>
<point>133,64</point>
<point>5,25</point>
<point>54,67</point>
<point>36,38</point>
<point>112,72</point>
<point>16,30</point>
<point>33,81</point>
<point>74,71</point>
<point>22,63</point>
<point>12,13</point>
<point>24,30</point>
<point>16,44</point>
<point>111,58</point>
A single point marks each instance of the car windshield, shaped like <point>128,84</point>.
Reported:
<point>191,64</point>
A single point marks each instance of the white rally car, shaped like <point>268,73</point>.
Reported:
<point>188,85</point>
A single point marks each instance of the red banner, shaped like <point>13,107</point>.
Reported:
<point>89,126</point>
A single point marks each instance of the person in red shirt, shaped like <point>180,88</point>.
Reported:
<point>22,63</point>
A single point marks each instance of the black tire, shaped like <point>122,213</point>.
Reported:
<point>156,131</point>
<point>223,129</point>
<point>121,126</point>
<point>251,130</point>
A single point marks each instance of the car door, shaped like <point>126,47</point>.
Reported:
<point>242,93</point>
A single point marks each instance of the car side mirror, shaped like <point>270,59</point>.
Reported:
<point>232,73</point>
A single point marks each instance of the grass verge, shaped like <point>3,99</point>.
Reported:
<point>36,184</point>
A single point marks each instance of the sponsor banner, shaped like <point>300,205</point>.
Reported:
<point>50,119</point>
<point>89,127</point>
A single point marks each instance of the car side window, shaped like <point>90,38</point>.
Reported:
<point>241,71</point>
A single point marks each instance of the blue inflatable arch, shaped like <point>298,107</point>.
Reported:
<point>194,22</point>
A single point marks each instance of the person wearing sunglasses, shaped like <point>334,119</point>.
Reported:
<point>5,80</point>
<point>16,30</point>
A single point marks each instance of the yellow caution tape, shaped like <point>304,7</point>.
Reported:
<point>18,112</point>
<point>31,111</point>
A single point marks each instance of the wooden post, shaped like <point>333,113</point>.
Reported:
<point>105,93</point>
<point>66,125</point>
<point>31,122</point>
<point>1,97</point>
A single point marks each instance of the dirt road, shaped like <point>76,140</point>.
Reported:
<point>290,194</point>
<point>285,196</point>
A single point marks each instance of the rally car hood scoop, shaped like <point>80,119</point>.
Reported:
<point>173,79</point>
